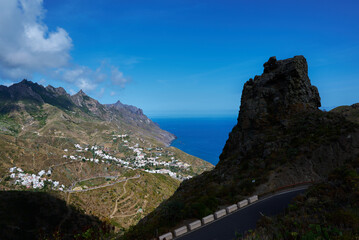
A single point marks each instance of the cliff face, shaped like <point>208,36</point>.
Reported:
<point>281,138</point>
<point>280,127</point>
<point>282,90</point>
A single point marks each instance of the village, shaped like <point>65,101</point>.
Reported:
<point>151,160</point>
<point>34,181</point>
<point>139,160</point>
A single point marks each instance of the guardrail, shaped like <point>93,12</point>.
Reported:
<point>262,195</point>
<point>223,212</point>
<point>208,219</point>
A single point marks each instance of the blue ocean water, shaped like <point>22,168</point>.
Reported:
<point>201,137</point>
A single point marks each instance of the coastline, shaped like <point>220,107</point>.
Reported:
<point>202,137</point>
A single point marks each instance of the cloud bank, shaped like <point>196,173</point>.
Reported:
<point>26,44</point>
<point>27,47</point>
<point>117,77</point>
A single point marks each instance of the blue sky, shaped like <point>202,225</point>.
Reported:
<point>178,57</point>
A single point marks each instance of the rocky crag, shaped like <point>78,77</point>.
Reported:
<point>270,100</point>
<point>281,138</point>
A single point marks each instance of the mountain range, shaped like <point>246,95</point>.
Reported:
<point>34,95</point>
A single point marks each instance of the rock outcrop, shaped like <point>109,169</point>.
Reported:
<point>281,138</point>
<point>271,99</point>
<point>280,126</point>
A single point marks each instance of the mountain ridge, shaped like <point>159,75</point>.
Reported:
<point>37,94</point>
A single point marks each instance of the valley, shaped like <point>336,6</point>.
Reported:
<point>112,163</point>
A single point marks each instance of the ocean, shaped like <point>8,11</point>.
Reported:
<point>203,137</point>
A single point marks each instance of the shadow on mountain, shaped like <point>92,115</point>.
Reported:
<point>39,215</point>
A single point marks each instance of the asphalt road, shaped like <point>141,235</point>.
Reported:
<point>243,219</point>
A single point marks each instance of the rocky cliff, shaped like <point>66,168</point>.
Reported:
<point>281,138</point>
<point>281,131</point>
<point>282,90</point>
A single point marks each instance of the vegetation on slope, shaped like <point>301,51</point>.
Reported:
<point>39,128</point>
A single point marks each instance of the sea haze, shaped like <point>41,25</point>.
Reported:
<point>203,137</point>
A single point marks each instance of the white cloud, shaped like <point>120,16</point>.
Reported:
<point>85,84</point>
<point>87,79</point>
<point>28,47</point>
<point>113,93</point>
<point>117,77</point>
<point>26,44</point>
<point>83,77</point>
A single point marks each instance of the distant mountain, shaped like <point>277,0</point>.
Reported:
<point>134,115</point>
<point>27,96</point>
<point>29,92</point>
<point>281,138</point>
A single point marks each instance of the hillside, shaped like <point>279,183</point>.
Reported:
<point>109,161</point>
<point>351,113</point>
<point>281,138</point>
<point>328,210</point>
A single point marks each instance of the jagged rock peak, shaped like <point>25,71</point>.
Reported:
<point>283,87</point>
<point>58,91</point>
<point>25,81</point>
<point>118,103</point>
<point>270,100</point>
<point>81,93</point>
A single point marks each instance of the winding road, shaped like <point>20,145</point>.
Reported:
<point>244,219</point>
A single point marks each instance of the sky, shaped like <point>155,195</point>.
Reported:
<point>178,57</point>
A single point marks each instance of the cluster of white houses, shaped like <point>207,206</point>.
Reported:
<point>34,181</point>
<point>140,162</point>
